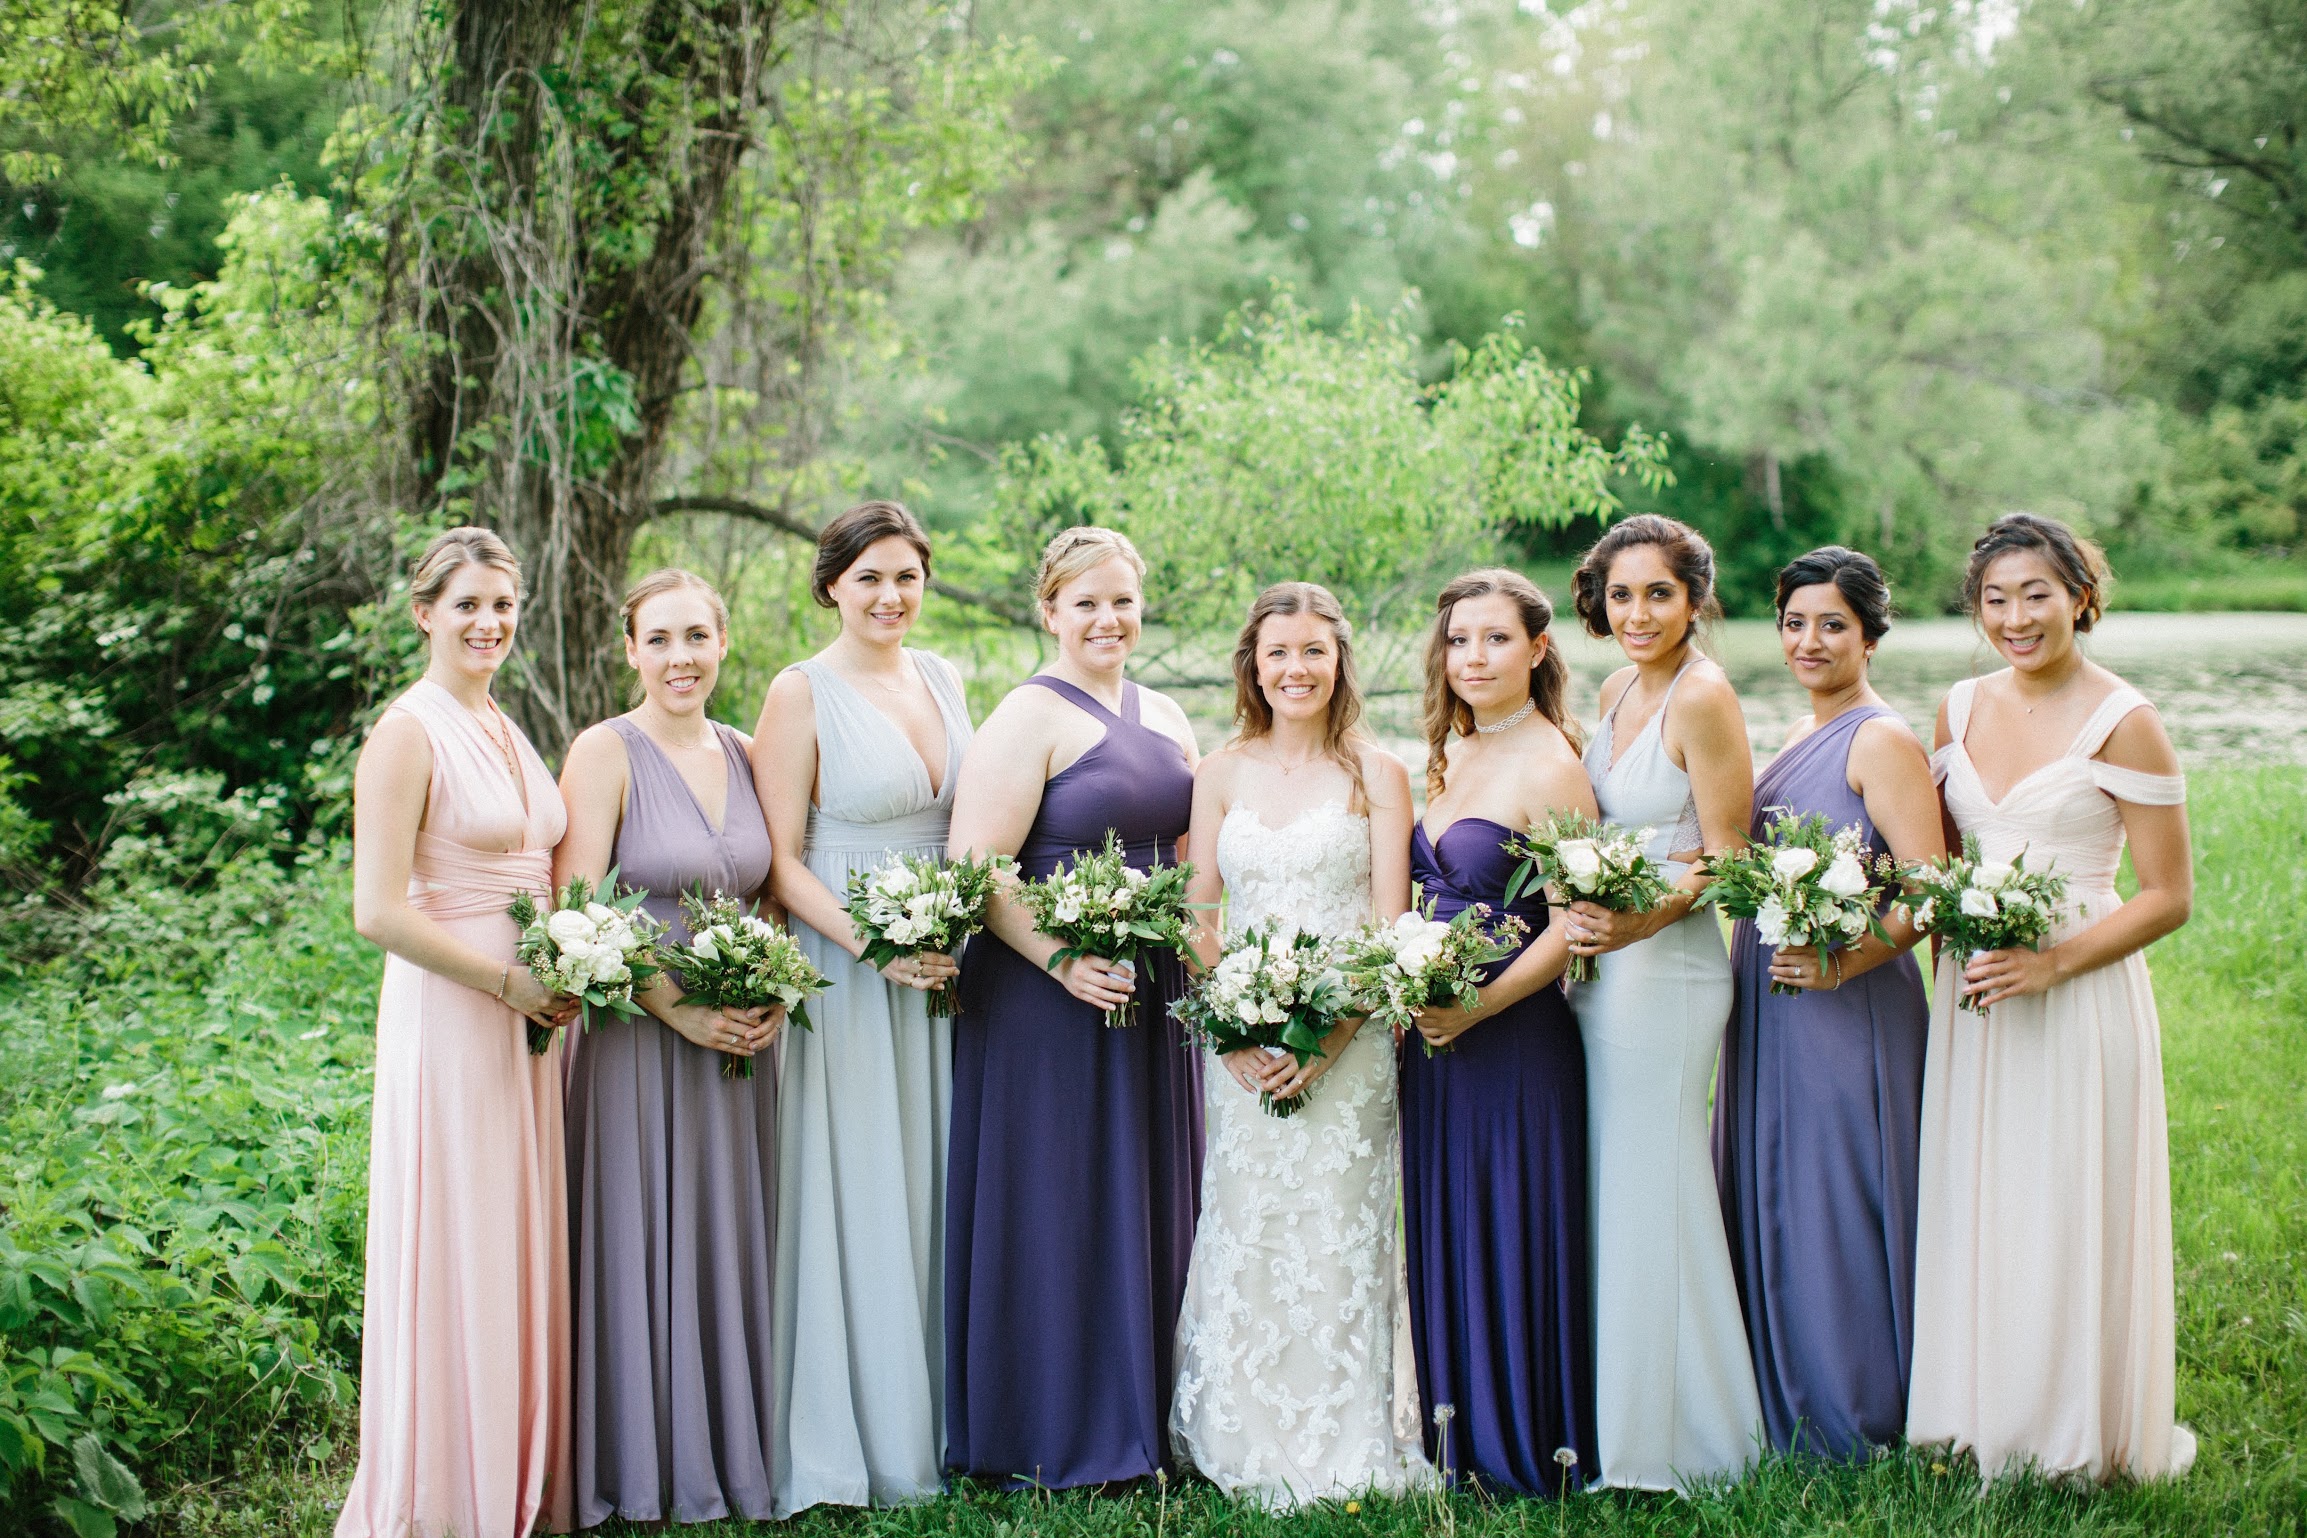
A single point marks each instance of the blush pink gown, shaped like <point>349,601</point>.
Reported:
<point>465,1333</point>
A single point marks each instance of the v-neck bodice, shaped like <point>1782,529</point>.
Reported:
<point>1644,788</point>
<point>665,843</point>
<point>873,788</point>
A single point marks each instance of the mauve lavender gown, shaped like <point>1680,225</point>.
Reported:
<point>1817,1126</point>
<point>672,1200</point>
<point>1075,1174</point>
<point>1494,1208</point>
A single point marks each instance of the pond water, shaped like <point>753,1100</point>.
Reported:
<point>2231,687</point>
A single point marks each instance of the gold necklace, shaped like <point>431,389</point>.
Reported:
<point>501,741</point>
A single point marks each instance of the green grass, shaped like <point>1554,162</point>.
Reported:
<point>2255,586</point>
<point>2234,996</point>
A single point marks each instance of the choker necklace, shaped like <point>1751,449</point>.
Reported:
<point>1516,719</point>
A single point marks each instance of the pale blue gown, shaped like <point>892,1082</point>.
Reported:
<point>1674,1399</point>
<point>863,1122</point>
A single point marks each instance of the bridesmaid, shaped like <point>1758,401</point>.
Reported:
<point>1077,1149</point>
<point>2043,1287</point>
<point>855,758</point>
<point>1675,1400</point>
<point>1494,1122</point>
<point>672,1172</point>
<point>464,1327</point>
<point>1819,1104</point>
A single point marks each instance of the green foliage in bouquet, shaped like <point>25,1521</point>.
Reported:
<point>1588,861</point>
<point>1972,904</point>
<point>1419,962</point>
<point>597,946</point>
<point>1274,989</point>
<point>737,960</point>
<point>915,904</point>
<point>1803,883</point>
<point>1101,905</point>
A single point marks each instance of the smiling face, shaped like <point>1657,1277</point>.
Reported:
<point>469,628</point>
<point>1095,616</point>
<point>879,596</point>
<point>1650,610</point>
<point>677,646</point>
<point>1297,659</point>
<point>1819,632</point>
<point>1487,655</point>
<point>2027,612</point>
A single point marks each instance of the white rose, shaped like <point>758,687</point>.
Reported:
<point>1419,953</point>
<point>1068,910</point>
<point>702,945</point>
<point>571,929</point>
<point>1791,865</point>
<point>1845,877</point>
<point>2020,898</point>
<point>605,964</point>
<point>1993,874</point>
<point>601,913</point>
<point>1247,1011</point>
<point>1978,904</point>
<point>1770,923</point>
<point>1580,859</point>
<point>907,930</point>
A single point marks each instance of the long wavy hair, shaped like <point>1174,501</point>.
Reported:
<point>1446,715</point>
<point>1342,735</point>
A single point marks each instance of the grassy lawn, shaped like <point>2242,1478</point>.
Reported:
<point>2234,997</point>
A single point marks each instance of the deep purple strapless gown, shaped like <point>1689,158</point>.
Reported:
<point>1075,1174</point>
<point>1817,1126</point>
<point>1494,1209</point>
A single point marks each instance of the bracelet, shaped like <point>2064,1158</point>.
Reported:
<point>1836,958</point>
<point>504,978</point>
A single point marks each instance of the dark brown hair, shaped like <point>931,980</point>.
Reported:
<point>1688,556</point>
<point>453,549</point>
<point>849,536</point>
<point>2081,565</point>
<point>1854,575</point>
<point>1448,716</point>
<point>1342,735</point>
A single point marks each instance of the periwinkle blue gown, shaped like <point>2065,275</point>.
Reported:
<point>1817,1126</point>
<point>1494,1197</point>
<point>1075,1173</point>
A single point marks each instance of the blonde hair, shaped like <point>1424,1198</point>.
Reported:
<point>452,550</point>
<point>1446,715</point>
<point>1342,735</point>
<point>1085,547</point>
<point>672,579</point>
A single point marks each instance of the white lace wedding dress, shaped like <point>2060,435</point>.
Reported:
<point>1289,1389</point>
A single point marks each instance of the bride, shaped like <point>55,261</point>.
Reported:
<point>1286,1388</point>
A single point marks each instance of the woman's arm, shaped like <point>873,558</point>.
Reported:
<point>2161,858</point>
<point>784,759</point>
<point>390,784</point>
<point>1893,778</point>
<point>1213,790</point>
<point>1386,782</point>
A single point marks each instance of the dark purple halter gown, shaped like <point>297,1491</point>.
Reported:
<point>1817,1125</point>
<point>1076,1164</point>
<point>1494,1209</point>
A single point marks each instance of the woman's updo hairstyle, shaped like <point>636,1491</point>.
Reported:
<point>1687,554</point>
<point>1445,715</point>
<point>1854,575</point>
<point>849,536</point>
<point>2080,564</point>
<point>450,552</point>
<point>1084,547</point>
<point>672,579</point>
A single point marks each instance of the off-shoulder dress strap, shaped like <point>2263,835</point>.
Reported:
<point>2136,786</point>
<point>2101,723</point>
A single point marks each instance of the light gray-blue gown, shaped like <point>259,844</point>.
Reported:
<point>862,1122</point>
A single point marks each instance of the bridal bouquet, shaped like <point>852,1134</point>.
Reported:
<point>594,944</point>
<point>736,960</point>
<point>915,904</point>
<point>1802,884</point>
<point>1420,962</point>
<point>1275,989</point>
<point>1101,905</point>
<point>1591,862</point>
<point>1972,905</point>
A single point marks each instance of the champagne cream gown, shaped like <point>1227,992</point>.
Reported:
<point>1674,1397</point>
<point>464,1363</point>
<point>868,1096</point>
<point>2043,1287</point>
<point>1287,1370</point>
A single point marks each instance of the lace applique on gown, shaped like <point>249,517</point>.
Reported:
<point>1287,1368</point>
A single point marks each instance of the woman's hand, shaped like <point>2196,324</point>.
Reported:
<point>927,971</point>
<point>1596,931</point>
<point>1998,975</point>
<point>1097,981</point>
<point>524,995</point>
<point>1249,1065</point>
<point>1287,1077</point>
<point>1801,966</point>
<point>738,1032</point>
<point>1441,1024</point>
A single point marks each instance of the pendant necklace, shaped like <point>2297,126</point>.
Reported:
<point>1516,719</point>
